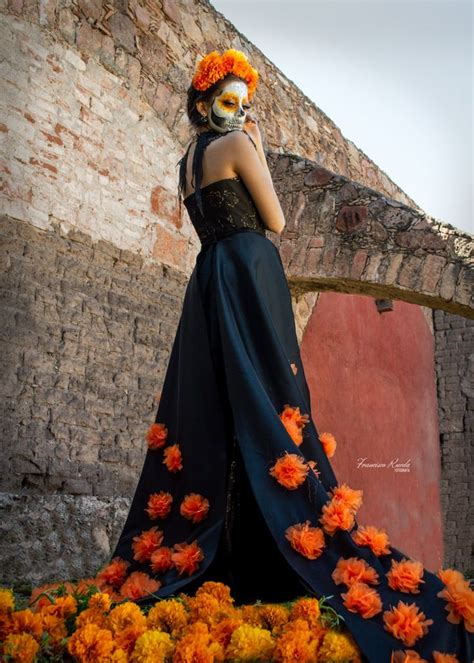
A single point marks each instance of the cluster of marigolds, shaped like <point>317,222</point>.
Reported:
<point>207,627</point>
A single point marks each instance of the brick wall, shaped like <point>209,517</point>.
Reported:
<point>454,356</point>
<point>86,335</point>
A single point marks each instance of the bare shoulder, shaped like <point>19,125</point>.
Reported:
<point>239,140</point>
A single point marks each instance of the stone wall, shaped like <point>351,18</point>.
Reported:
<point>454,355</point>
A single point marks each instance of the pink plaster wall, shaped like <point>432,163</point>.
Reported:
<point>372,382</point>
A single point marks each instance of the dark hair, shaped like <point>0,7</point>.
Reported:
<point>196,95</point>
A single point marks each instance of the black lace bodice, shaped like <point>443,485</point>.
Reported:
<point>228,207</point>
<point>220,208</point>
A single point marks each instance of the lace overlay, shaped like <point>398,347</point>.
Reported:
<point>228,208</point>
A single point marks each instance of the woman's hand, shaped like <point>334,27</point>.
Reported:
<point>252,128</point>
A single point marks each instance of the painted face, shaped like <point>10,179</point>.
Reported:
<point>229,108</point>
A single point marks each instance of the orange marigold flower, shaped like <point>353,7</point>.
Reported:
<point>329,443</point>
<point>195,507</point>
<point>214,66</point>
<point>114,573</point>
<point>407,656</point>
<point>20,647</point>
<point>314,466</point>
<point>460,604</point>
<point>406,622</point>
<point>351,496</point>
<point>376,539</point>
<point>452,576</point>
<point>294,422</point>
<point>91,643</point>
<point>159,504</point>
<point>146,543</point>
<point>186,557</point>
<point>336,515</point>
<point>362,599</point>
<point>156,436</point>
<point>305,539</point>
<point>139,584</point>
<point>350,570</point>
<point>173,458</point>
<point>218,590</point>
<point>405,575</point>
<point>290,471</point>
<point>306,608</point>
<point>63,606</point>
<point>26,621</point>
<point>160,559</point>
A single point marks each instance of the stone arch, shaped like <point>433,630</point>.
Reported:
<point>343,236</point>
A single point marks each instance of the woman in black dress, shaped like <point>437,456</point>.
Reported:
<point>237,485</point>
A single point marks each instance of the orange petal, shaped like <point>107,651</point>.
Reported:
<point>156,436</point>
<point>336,515</point>
<point>159,505</point>
<point>308,541</point>
<point>406,622</point>
<point>362,599</point>
<point>350,570</point>
<point>329,443</point>
<point>173,458</point>
<point>194,507</point>
<point>290,471</point>
<point>376,539</point>
<point>405,575</point>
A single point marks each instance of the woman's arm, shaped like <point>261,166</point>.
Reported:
<point>250,163</point>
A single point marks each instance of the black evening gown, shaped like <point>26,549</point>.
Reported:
<point>228,380</point>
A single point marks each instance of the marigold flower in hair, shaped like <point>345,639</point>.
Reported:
<point>213,67</point>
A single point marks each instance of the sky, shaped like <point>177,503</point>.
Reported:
<point>396,77</point>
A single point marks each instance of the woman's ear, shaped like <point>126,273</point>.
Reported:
<point>201,106</point>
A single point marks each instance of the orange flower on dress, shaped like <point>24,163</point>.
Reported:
<point>305,539</point>
<point>351,496</point>
<point>439,657</point>
<point>362,599</point>
<point>194,507</point>
<point>114,573</point>
<point>336,515</point>
<point>156,436</point>
<point>350,570</point>
<point>159,505</point>
<point>329,443</point>
<point>407,656</point>
<point>146,543</point>
<point>376,539</point>
<point>160,559</point>
<point>406,575</point>
<point>406,622</point>
<point>139,584</point>
<point>314,466</point>
<point>294,422</point>
<point>186,557</point>
<point>290,471</point>
<point>460,603</point>
<point>173,458</point>
<point>452,576</point>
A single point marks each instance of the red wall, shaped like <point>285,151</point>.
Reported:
<point>372,382</point>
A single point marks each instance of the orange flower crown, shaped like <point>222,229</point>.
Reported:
<point>213,67</point>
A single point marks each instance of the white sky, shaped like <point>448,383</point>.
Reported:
<point>394,76</point>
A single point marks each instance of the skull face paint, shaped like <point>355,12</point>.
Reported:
<point>229,107</point>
